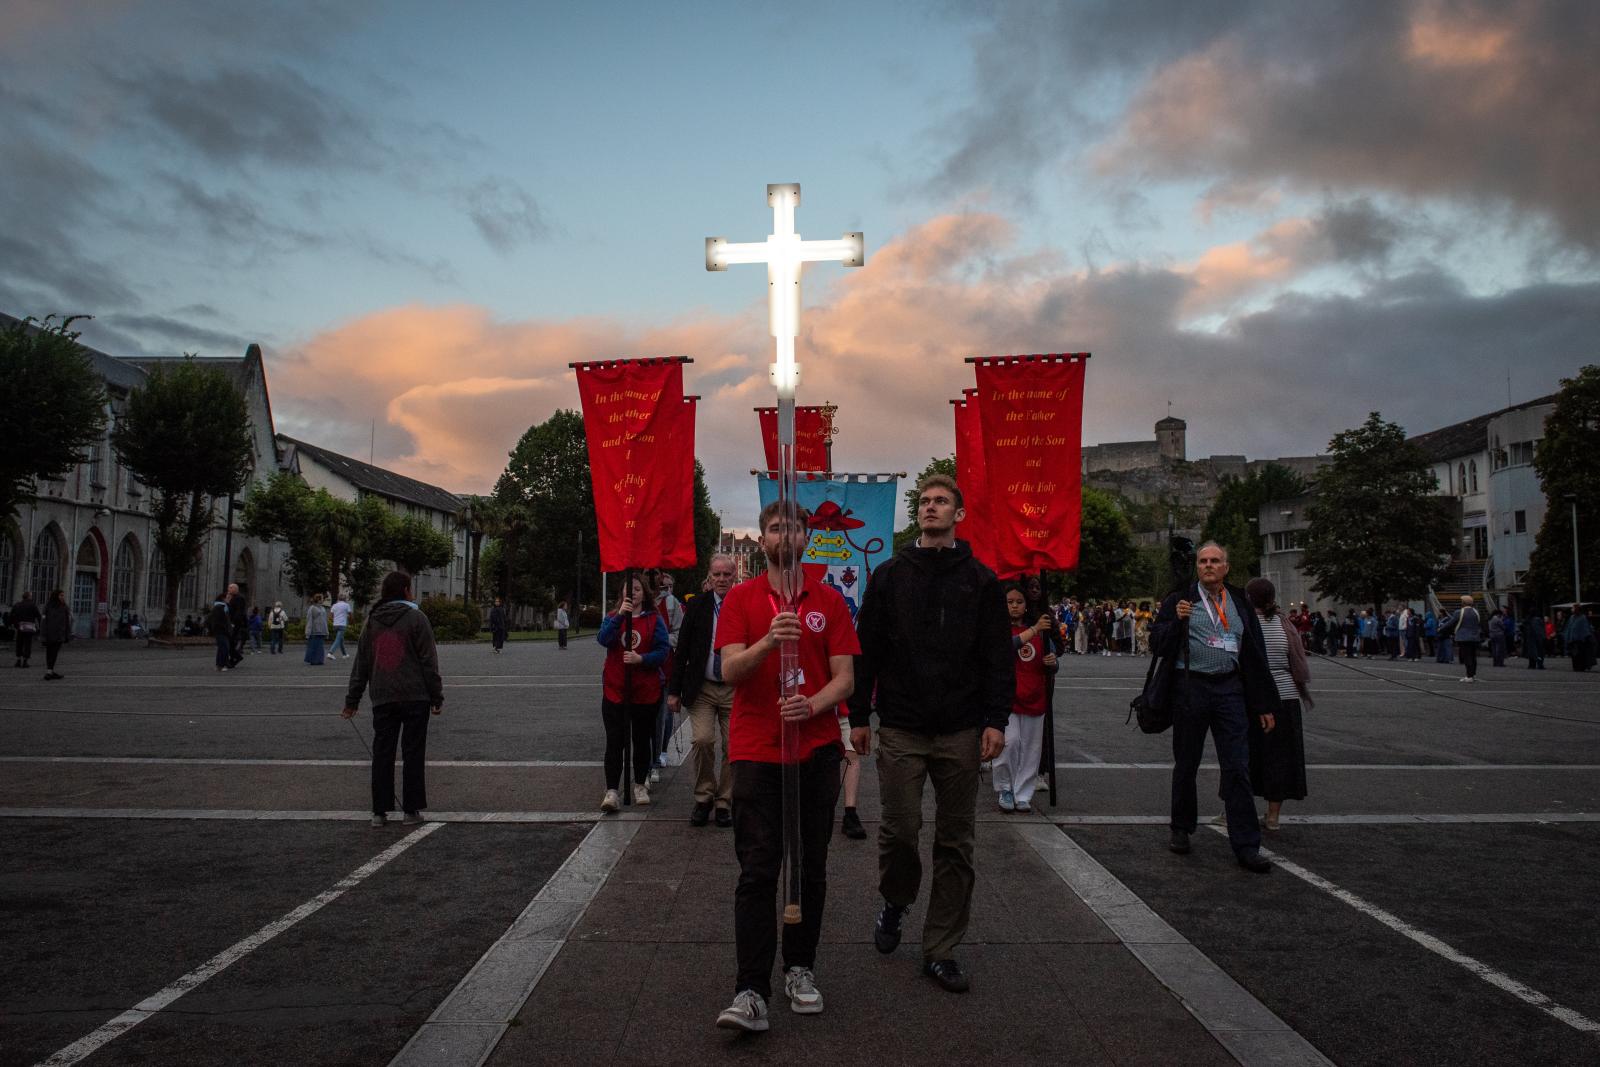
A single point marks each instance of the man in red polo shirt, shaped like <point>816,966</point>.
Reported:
<point>751,625</point>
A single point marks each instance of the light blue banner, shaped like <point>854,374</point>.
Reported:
<point>852,527</point>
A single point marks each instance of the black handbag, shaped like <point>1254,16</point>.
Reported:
<point>1152,708</point>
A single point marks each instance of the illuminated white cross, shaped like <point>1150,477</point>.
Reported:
<point>784,252</point>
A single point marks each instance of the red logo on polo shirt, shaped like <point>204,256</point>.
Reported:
<point>816,620</point>
<point>1025,652</point>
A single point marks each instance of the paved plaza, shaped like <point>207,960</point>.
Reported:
<point>189,878</point>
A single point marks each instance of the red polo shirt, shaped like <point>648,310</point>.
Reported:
<point>1031,675</point>
<point>825,630</point>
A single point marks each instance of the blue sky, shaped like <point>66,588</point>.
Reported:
<point>1279,216</point>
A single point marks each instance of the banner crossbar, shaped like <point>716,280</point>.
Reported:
<point>1058,357</point>
<point>594,364</point>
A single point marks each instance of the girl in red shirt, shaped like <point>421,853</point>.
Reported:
<point>1016,770</point>
<point>632,687</point>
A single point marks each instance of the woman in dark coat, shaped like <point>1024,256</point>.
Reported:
<point>56,630</point>
<point>1278,758</point>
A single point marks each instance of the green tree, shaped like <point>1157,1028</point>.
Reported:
<point>1233,517</point>
<point>186,434</point>
<point>1565,463</point>
<point>909,532</point>
<point>284,508</point>
<point>53,406</point>
<point>1109,565</point>
<point>542,505</point>
<point>1377,531</point>
<point>415,545</point>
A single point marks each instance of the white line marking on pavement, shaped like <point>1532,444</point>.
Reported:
<point>1526,994</point>
<point>1167,766</point>
<point>467,1025</point>
<point>308,815</point>
<point>243,762</point>
<point>1483,819</point>
<point>1248,1029</point>
<point>154,1003</point>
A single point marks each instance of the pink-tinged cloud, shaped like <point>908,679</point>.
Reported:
<point>451,389</point>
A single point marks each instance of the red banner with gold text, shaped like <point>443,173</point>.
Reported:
<point>974,530</point>
<point>1031,413</point>
<point>811,430</point>
<point>641,463</point>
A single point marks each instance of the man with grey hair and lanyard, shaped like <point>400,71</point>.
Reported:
<point>1225,680</point>
<point>697,686</point>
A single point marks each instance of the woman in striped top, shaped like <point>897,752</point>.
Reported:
<point>1278,759</point>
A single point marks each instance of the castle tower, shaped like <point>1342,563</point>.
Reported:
<point>1171,434</point>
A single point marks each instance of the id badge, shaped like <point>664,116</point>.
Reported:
<point>1230,643</point>
<point>798,678</point>
<point>1216,642</point>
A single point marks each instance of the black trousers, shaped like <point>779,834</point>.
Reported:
<point>24,645</point>
<point>1204,702</point>
<point>640,719</point>
<point>561,638</point>
<point>758,842</point>
<point>52,649</point>
<point>405,722</point>
<point>1469,657</point>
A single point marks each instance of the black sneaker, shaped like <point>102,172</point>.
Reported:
<point>1179,842</point>
<point>724,818</point>
<point>851,825</point>
<point>1253,861</point>
<point>948,974</point>
<point>886,933</point>
<point>700,815</point>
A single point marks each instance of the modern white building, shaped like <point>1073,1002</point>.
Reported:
<point>91,534</point>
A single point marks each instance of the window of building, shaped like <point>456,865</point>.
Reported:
<point>1519,521</point>
<point>46,566</point>
<point>1472,472</point>
<point>189,591</point>
<point>155,596</point>
<point>97,454</point>
<point>1287,540</point>
<point>8,564</point>
<point>1461,479</point>
<point>122,574</point>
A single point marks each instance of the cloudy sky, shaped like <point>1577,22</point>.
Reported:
<point>1277,216</point>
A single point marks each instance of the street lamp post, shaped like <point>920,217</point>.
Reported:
<point>1577,586</point>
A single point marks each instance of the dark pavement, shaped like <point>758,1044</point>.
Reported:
<point>99,912</point>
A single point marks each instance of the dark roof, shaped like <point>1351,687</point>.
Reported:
<point>117,372</point>
<point>377,480</point>
<point>1465,438</point>
<point>238,366</point>
<point>1171,422</point>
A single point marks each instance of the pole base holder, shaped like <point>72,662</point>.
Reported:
<point>791,914</point>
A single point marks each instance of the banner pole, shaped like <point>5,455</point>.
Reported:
<point>627,691</point>
<point>1047,753</point>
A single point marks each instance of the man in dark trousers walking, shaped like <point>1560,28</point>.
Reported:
<point>696,685</point>
<point>238,624</point>
<point>936,648</point>
<point>1224,681</point>
<point>398,658</point>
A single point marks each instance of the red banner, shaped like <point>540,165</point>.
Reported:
<point>812,426</point>
<point>974,530</point>
<point>1031,412</point>
<point>640,433</point>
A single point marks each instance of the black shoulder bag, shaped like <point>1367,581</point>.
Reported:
<point>1152,708</point>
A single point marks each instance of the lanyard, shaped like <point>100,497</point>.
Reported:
<point>1221,608</point>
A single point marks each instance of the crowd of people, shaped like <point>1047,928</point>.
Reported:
<point>1109,628</point>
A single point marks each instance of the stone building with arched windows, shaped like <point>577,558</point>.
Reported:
<point>90,533</point>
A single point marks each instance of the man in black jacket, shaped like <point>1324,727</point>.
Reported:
<point>239,625</point>
<point>1222,683</point>
<point>936,648</point>
<point>696,684</point>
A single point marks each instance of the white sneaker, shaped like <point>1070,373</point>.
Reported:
<point>610,802</point>
<point>1463,679</point>
<point>801,987</point>
<point>655,776</point>
<point>747,1012</point>
<point>641,796</point>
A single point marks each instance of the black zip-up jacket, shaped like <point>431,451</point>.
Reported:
<point>935,644</point>
<point>694,646</point>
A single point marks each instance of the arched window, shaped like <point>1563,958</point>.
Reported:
<point>123,573</point>
<point>46,566</point>
<point>1461,479</point>
<point>1472,472</point>
<point>8,567</point>
<point>155,595</point>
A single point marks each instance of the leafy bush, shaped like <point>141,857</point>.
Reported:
<point>452,620</point>
<point>589,618</point>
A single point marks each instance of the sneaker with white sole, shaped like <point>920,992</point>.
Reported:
<point>641,796</point>
<point>800,985</point>
<point>379,821</point>
<point>1007,801</point>
<point>655,775</point>
<point>748,1012</point>
<point>412,818</point>
<point>610,802</point>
